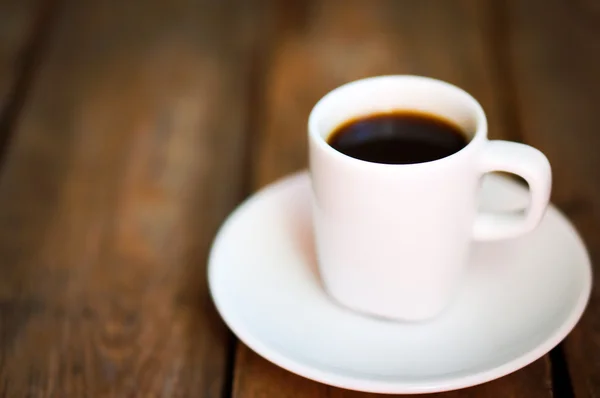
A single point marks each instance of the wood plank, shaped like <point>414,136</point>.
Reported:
<point>320,45</point>
<point>555,54</point>
<point>125,162</point>
<point>17,20</point>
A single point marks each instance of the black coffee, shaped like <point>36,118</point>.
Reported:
<point>401,137</point>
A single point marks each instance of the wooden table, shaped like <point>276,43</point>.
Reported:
<point>130,129</point>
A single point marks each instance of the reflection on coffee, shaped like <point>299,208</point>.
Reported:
<point>400,137</point>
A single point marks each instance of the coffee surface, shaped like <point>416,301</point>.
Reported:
<point>401,137</point>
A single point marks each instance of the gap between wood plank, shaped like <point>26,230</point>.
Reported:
<point>27,64</point>
<point>254,101</point>
<point>499,51</point>
<point>562,386</point>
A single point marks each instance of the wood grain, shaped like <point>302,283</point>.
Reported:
<point>555,55</point>
<point>125,161</point>
<point>16,20</point>
<point>317,46</point>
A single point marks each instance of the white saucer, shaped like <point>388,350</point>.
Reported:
<point>521,298</point>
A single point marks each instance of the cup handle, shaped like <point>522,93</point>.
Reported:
<point>528,163</point>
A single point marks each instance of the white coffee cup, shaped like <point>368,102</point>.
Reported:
<point>393,240</point>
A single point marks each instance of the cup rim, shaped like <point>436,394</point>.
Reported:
<point>479,135</point>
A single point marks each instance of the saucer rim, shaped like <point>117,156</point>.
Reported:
<point>387,385</point>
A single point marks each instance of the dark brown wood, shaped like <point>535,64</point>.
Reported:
<point>555,55</point>
<point>26,27</point>
<point>17,20</point>
<point>125,160</point>
<point>148,121</point>
<point>317,46</point>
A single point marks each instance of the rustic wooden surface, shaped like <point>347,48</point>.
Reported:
<point>17,20</point>
<point>133,129</point>
<point>24,27</point>
<point>555,59</point>
<point>123,163</point>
